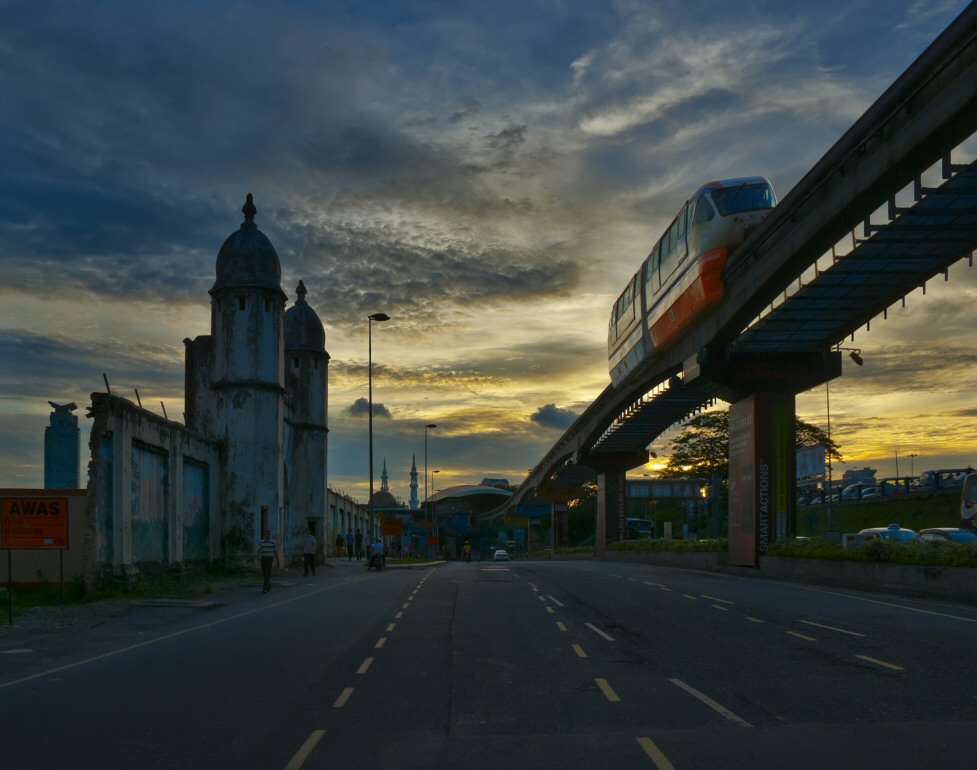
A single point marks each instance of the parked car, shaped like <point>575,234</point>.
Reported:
<point>500,555</point>
<point>892,532</point>
<point>946,535</point>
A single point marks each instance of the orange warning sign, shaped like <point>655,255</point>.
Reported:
<point>34,522</point>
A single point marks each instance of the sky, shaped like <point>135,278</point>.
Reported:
<point>487,174</point>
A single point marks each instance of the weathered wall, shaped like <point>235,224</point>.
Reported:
<point>42,566</point>
<point>153,492</point>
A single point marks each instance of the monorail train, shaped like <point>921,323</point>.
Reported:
<point>681,279</point>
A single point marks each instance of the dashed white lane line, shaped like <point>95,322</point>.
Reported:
<point>690,596</point>
<point>717,707</point>
<point>404,606</point>
<point>541,598</point>
<point>296,762</point>
<point>716,599</point>
<point>343,697</point>
<point>882,663</point>
<point>597,631</point>
<point>805,637</point>
<point>16,651</point>
<point>755,620</point>
<point>830,628</point>
<point>399,615</point>
<point>380,642</point>
<point>607,690</point>
<point>555,601</point>
<point>655,754</point>
<point>649,583</point>
<point>551,610</point>
<point>391,627</point>
<point>364,667</point>
<point>579,650</point>
<point>720,607</point>
<point>560,625</point>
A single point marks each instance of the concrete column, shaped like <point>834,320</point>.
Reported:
<point>611,511</point>
<point>762,502</point>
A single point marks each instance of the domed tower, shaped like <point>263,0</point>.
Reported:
<point>247,309</point>
<point>306,382</point>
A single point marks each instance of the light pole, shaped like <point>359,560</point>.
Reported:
<point>911,455</point>
<point>378,317</point>
<point>426,509</point>
<point>434,513</point>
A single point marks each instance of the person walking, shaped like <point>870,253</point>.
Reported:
<point>359,545</point>
<point>350,542</point>
<point>308,553</point>
<point>339,545</point>
<point>267,550</point>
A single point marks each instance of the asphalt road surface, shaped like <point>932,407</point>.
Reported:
<point>570,664</point>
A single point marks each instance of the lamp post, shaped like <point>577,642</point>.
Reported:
<point>426,427</point>
<point>378,317</point>
<point>911,455</point>
<point>434,511</point>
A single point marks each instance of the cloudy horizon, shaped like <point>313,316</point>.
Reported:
<point>489,175</point>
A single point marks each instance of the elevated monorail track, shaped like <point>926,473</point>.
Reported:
<point>768,307</point>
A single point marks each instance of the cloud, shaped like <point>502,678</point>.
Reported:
<point>361,408</point>
<point>551,416</point>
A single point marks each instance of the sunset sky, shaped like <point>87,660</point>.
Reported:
<point>489,174</point>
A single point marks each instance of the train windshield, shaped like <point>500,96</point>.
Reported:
<point>743,197</point>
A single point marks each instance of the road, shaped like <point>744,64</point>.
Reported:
<point>580,664</point>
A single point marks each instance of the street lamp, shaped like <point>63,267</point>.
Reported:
<point>378,317</point>
<point>426,427</point>
<point>911,455</point>
<point>434,510</point>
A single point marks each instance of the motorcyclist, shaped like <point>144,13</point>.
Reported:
<point>468,551</point>
<point>376,552</point>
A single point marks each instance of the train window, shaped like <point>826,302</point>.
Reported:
<point>743,197</point>
<point>703,211</point>
<point>681,224</point>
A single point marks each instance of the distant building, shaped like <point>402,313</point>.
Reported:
<point>414,504</point>
<point>62,443</point>
<point>863,476</point>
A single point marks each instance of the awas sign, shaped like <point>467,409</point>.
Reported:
<point>34,522</point>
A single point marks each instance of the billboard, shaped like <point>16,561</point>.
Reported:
<point>34,523</point>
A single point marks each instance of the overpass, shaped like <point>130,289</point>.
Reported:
<point>783,313</point>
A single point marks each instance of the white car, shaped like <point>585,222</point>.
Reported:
<point>500,555</point>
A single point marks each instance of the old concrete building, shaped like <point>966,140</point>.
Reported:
<point>252,453</point>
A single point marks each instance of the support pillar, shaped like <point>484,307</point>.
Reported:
<point>611,512</point>
<point>762,505</point>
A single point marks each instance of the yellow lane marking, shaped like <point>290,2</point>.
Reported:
<point>608,692</point>
<point>597,631</point>
<point>805,637</point>
<point>391,627</point>
<point>380,642</point>
<point>365,665</point>
<point>551,610</point>
<point>655,754</point>
<point>718,708</point>
<point>830,628</point>
<point>343,697</point>
<point>885,604</point>
<point>716,599</point>
<point>556,601</point>
<point>302,754</point>
<point>878,662</point>
<point>560,625</point>
<point>579,650</point>
<point>399,615</point>
<point>693,598</point>
<point>755,620</point>
<point>720,607</point>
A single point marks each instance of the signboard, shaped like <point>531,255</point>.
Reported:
<point>392,527</point>
<point>34,523</point>
<point>811,461</point>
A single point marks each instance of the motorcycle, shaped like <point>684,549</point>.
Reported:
<point>376,562</point>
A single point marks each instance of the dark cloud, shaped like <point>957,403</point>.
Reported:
<point>469,108</point>
<point>361,408</point>
<point>551,416</point>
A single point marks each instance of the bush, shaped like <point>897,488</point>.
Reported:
<point>886,551</point>
<point>676,546</point>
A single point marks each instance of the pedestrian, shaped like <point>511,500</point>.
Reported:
<point>359,545</point>
<point>350,541</point>
<point>267,550</point>
<point>308,553</point>
<point>339,545</point>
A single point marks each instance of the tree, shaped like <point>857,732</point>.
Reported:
<point>702,448</point>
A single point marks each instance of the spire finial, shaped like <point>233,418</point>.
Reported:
<point>249,210</point>
<point>300,291</point>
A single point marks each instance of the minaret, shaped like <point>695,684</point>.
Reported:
<point>306,382</point>
<point>384,487</point>
<point>414,505</point>
<point>247,319</point>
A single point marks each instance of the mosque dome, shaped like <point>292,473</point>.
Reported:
<point>383,499</point>
<point>303,329</point>
<point>247,259</point>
